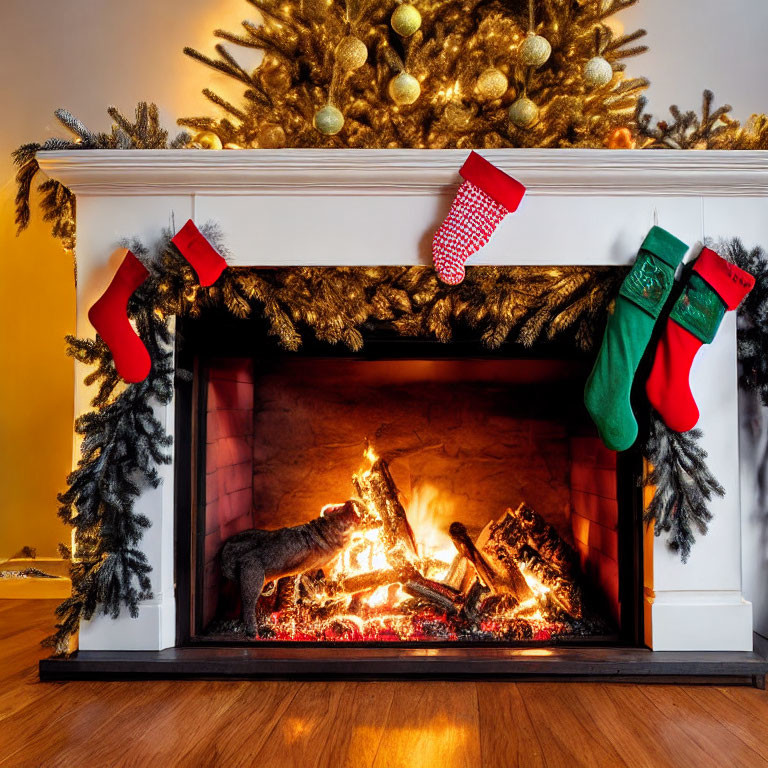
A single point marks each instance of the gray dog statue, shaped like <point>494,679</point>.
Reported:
<point>257,556</point>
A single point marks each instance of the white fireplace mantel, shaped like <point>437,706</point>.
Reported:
<point>270,172</point>
<point>363,207</point>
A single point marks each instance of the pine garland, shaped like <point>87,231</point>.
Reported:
<point>57,202</point>
<point>753,317</point>
<point>683,485</point>
<point>712,129</point>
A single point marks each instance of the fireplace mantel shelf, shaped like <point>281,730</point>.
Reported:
<point>546,172</point>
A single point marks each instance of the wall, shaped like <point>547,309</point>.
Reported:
<point>83,55</point>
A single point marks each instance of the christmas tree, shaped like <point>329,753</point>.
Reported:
<point>432,74</point>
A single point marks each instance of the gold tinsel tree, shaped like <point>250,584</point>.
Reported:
<point>474,73</point>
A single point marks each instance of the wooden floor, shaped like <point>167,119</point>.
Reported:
<point>356,725</point>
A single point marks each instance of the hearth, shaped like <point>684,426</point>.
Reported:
<point>489,512</point>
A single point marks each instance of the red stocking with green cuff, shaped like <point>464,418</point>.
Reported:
<point>482,201</point>
<point>203,257</point>
<point>109,316</point>
<point>714,287</point>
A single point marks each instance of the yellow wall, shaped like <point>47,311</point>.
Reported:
<point>37,305</point>
<point>85,55</point>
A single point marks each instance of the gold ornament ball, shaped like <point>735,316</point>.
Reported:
<point>597,72</point>
<point>208,140</point>
<point>492,83</point>
<point>406,20</point>
<point>270,136</point>
<point>404,89</point>
<point>351,53</point>
<point>329,120</point>
<point>523,113</point>
<point>534,50</point>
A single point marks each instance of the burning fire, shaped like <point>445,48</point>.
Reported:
<point>404,576</point>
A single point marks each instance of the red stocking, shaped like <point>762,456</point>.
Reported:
<point>482,201</point>
<point>203,257</point>
<point>714,287</point>
<point>109,316</point>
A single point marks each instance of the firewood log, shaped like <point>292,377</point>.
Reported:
<point>378,491</point>
<point>285,594</point>
<point>566,594</point>
<point>509,543</point>
<point>442,595</point>
<point>495,581</point>
<point>543,537</point>
<point>367,581</point>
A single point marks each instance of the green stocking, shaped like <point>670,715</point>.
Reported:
<point>629,329</point>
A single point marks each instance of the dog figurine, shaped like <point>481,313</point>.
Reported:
<point>257,556</point>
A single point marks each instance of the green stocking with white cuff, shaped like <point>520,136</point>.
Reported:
<point>630,325</point>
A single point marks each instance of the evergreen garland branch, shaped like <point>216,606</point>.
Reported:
<point>753,317</point>
<point>683,485</point>
<point>712,129</point>
<point>57,202</point>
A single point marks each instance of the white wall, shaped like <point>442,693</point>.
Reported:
<point>698,44</point>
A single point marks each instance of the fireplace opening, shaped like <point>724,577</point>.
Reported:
<point>435,494</point>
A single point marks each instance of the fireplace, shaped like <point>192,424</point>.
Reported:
<point>658,616</point>
<point>491,512</point>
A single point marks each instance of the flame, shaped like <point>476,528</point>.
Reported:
<point>386,611</point>
<point>536,586</point>
<point>428,513</point>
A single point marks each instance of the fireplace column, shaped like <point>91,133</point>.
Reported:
<point>101,223</point>
<point>699,605</point>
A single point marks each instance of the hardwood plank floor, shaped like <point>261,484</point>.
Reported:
<point>207,724</point>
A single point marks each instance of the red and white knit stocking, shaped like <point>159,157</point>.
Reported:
<point>482,201</point>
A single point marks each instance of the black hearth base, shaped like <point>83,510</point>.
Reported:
<point>606,664</point>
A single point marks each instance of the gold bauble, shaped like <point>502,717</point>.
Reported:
<point>404,89</point>
<point>329,120</point>
<point>270,136</point>
<point>208,140</point>
<point>523,113</point>
<point>232,145</point>
<point>406,20</point>
<point>597,72</point>
<point>534,50</point>
<point>492,83</point>
<point>351,53</point>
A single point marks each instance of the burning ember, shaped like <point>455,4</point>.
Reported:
<point>402,577</point>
